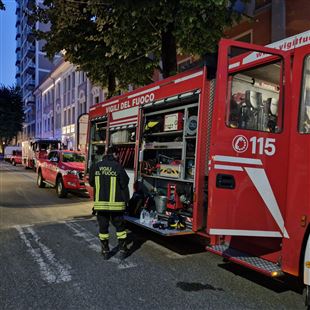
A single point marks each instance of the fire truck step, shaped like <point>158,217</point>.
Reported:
<point>252,262</point>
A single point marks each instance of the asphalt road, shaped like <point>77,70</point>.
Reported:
<point>50,259</point>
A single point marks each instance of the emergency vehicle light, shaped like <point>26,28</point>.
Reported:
<point>275,274</point>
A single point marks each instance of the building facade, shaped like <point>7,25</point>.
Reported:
<point>31,63</point>
<point>60,100</point>
<point>271,20</point>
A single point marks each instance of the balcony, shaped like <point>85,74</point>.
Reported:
<point>17,35</point>
<point>30,36</point>
<point>17,75</point>
<point>17,23</point>
<point>30,85</point>
<point>30,51</point>
<point>30,68</point>
<point>29,101</point>
<point>17,11</point>
<point>17,62</point>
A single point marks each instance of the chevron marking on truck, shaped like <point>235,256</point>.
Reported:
<point>261,182</point>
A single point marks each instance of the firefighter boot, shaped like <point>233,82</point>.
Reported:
<point>123,250</point>
<point>105,249</point>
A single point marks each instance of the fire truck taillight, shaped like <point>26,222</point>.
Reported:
<point>307,264</point>
<point>303,221</point>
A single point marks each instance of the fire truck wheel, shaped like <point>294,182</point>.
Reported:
<point>13,162</point>
<point>40,180</point>
<point>307,303</point>
<point>60,189</point>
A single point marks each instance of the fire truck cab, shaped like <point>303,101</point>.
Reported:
<point>35,149</point>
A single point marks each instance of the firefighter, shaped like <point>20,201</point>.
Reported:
<point>111,195</point>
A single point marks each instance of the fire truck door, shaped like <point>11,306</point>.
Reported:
<point>249,142</point>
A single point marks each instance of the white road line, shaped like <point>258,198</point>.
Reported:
<point>51,269</point>
<point>93,244</point>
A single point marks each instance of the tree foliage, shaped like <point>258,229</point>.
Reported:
<point>2,7</point>
<point>127,39</point>
<point>11,113</point>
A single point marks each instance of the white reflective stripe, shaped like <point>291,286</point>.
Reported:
<point>124,121</point>
<point>307,259</point>
<point>188,77</point>
<point>109,103</point>
<point>236,64</point>
<point>260,180</point>
<point>125,113</point>
<point>225,167</point>
<point>97,187</point>
<point>143,92</point>
<point>238,232</point>
<point>239,160</point>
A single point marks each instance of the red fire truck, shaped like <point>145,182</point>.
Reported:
<point>35,149</point>
<point>225,158</point>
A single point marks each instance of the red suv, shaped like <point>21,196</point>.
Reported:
<point>63,170</point>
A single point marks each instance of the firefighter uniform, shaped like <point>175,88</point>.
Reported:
<point>111,194</point>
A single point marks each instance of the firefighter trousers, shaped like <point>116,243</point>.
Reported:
<point>116,218</point>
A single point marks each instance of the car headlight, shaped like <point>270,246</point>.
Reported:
<point>74,172</point>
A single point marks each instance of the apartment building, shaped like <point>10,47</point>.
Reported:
<point>61,99</point>
<point>31,64</point>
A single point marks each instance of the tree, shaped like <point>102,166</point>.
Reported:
<point>127,39</point>
<point>11,113</point>
<point>2,7</point>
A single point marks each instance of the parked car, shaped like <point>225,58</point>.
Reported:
<point>16,158</point>
<point>63,170</point>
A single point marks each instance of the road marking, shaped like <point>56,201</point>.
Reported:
<point>51,269</point>
<point>93,244</point>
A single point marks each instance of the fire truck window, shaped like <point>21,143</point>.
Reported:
<point>97,142</point>
<point>304,111</point>
<point>99,133</point>
<point>253,102</point>
<point>51,155</point>
<point>70,157</point>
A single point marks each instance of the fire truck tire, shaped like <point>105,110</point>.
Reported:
<point>60,189</point>
<point>13,162</point>
<point>40,180</point>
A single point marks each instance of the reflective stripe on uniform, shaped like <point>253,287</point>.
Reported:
<point>107,203</point>
<point>109,207</point>
<point>121,234</point>
<point>97,187</point>
<point>112,189</point>
<point>103,236</point>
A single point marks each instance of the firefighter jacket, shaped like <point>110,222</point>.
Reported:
<point>110,182</point>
